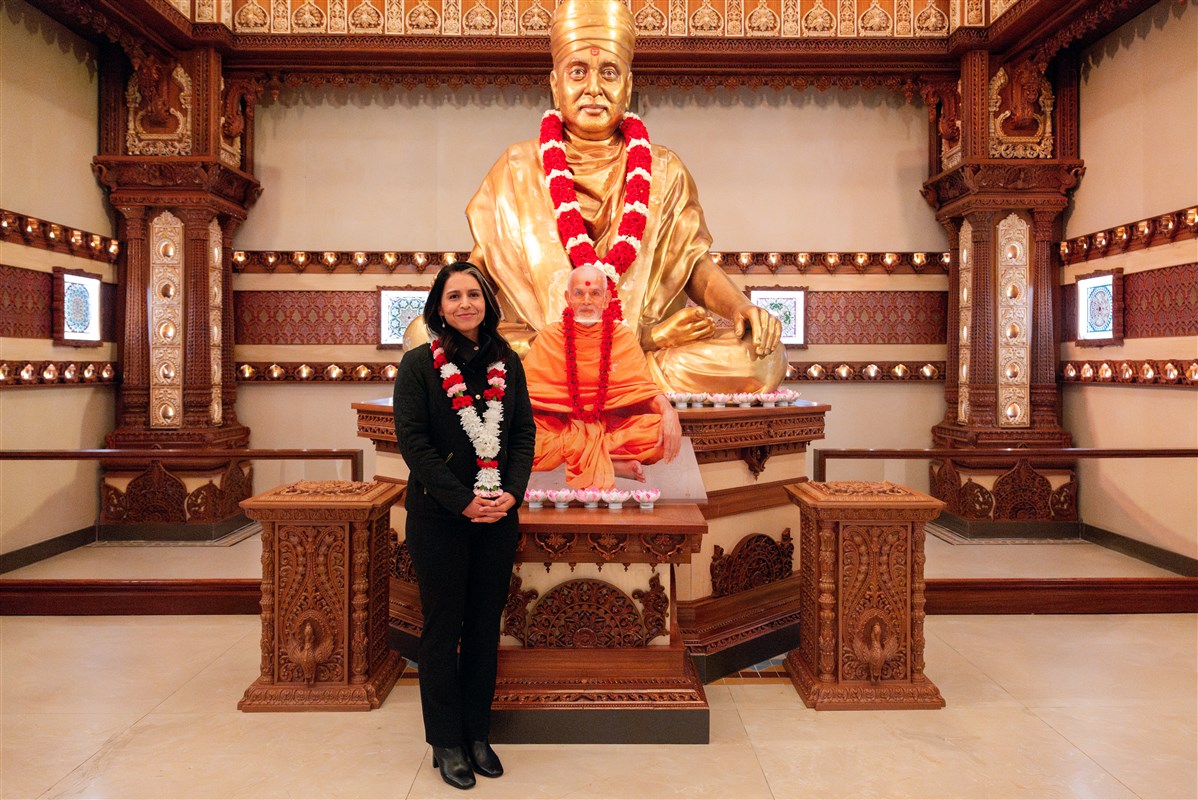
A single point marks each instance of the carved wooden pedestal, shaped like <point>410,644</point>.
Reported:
<point>861,610</point>
<point>325,573</point>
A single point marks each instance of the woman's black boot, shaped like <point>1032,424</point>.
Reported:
<point>483,759</point>
<point>455,768</point>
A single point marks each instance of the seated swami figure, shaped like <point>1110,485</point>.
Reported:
<point>595,407</point>
<point>593,184</point>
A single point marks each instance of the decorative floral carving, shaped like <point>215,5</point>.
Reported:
<point>818,21</point>
<point>365,17</point>
<point>312,577</point>
<point>308,17</point>
<point>159,110</point>
<point>1022,494</point>
<point>587,613</point>
<point>755,561</point>
<point>535,18</point>
<point>251,17</point>
<point>762,20</point>
<point>1017,128</point>
<point>874,565</point>
<point>931,21</point>
<point>423,19</point>
<point>706,20</point>
<point>403,567</point>
<point>649,19</point>
<point>515,611</point>
<point>875,21</point>
<point>480,19</point>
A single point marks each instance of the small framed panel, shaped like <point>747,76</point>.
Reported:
<point>399,306</point>
<point>789,305</point>
<point>76,308</point>
<point>1100,308</point>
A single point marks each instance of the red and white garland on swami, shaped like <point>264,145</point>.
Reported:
<point>484,432</point>
<point>559,178</point>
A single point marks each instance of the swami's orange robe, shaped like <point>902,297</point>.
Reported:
<point>623,432</point>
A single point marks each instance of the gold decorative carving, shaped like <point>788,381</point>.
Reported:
<point>875,21</point>
<point>365,18</point>
<point>215,321</point>
<point>423,19</point>
<point>535,19</point>
<point>480,20</point>
<point>847,25</point>
<point>1014,323</point>
<point>308,18</point>
<point>965,317</point>
<point>931,21</point>
<point>451,18</point>
<point>762,20</point>
<point>706,21</point>
<point>159,110</point>
<point>734,17</point>
<point>649,21</point>
<point>1021,113</point>
<point>166,321</point>
<point>818,21</point>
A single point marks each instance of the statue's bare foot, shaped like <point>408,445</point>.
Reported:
<point>629,469</point>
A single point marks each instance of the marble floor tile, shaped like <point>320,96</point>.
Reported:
<point>1152,749</point>
<point>614,772</point>
<point>162,562</point>
<point>961,684</point>
<point>107,664</point>
<point>1063,660</point>
<point>1047,560</point>
<point>237,755</point>
<point>38,750</point>
<point>974,753</point>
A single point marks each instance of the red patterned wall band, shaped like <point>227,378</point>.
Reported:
<point>306,317</point>
<point>876,317</point>
<point>44,235</point>
<point>26,304</point>
<point>312,317</point>
<point>356,262</point>
<point>1156,303</point>
<point>1151,232</point>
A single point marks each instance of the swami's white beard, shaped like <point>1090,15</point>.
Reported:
<point>588,319</point>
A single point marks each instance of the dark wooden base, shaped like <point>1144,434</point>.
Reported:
<point>860,696</point>
<point>585,725</point>
<point>40,551</point>
<point>262,696</point>
<point>726,634</point>
<point>713,666</point>
<point>118,597</point>
<point>182,532</point>
<point>649,695</point>
<point>1062,596</point>
<point>1149,554</point>
<point>987,529</point>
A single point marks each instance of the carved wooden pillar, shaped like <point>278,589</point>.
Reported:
<point>868,616</point>
<point>164,164</point>
<point>1005,194</point>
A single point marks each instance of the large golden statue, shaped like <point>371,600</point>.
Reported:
<point>638,207</point>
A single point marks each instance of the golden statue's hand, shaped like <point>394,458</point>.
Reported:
<point>687,325</point>
<point>765,327</point>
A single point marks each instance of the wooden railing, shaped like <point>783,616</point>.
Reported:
<point>1029,454</point>
<point>354,457</point>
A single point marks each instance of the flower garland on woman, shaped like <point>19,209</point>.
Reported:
<point>579,245</point>
<point>484,432</point>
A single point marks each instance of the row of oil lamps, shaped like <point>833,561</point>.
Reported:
<point>300,260</point>
<point>1092,245</point>
<point>78,242</point>
<point>30,373</point>
<point>305,372</point>
<point>364,372</point>
<point>1129,372</point>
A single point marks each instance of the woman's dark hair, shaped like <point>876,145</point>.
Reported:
<point>494,346</point>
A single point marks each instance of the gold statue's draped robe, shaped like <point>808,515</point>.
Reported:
<point>626,431</point>
<point>518,246</point>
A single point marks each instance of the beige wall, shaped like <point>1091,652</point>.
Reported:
<point>49,122</point>
<point>393,170</point>
<point>1139,120</point>
<point>1139,139</point>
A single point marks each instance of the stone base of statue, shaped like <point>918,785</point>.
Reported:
<point>325,582</point>
<point>861,597</point>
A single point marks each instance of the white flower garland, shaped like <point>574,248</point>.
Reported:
<point>484,432</point>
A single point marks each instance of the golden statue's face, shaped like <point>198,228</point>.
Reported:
<point>591,87</point>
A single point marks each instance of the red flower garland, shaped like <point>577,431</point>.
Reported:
<point>570,224</point>
<point>605,343</point>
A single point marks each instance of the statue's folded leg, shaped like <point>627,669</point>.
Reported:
<point>635,438</point>
<point>547,454</point>
<point>721,363</point>
<point>582,446</point>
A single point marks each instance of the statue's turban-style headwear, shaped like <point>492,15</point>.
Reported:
<point>601,23</point>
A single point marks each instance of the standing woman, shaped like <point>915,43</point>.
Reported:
<point>464,427</point>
